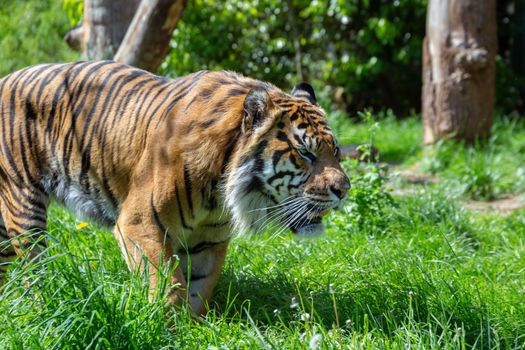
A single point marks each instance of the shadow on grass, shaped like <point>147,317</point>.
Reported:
<point>278,300</point>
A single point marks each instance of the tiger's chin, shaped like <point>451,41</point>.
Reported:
<point>313,228</point>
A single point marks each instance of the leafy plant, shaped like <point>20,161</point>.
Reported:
<point>369,200</point>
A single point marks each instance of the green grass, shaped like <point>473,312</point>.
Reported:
<point>483,171</point>
<point>416,272</point>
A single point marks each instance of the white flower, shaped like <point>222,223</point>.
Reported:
<point>295,304</point>
<point>315,341</point>
<point>305,316</point>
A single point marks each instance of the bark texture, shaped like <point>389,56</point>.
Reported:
<point>104,25</point>
<point>459,54</point>
<point>148,36</point>
<point>129,31</point>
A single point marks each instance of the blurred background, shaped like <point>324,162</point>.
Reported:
<point>358,54</point>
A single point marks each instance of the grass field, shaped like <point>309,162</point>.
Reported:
<point>414,271</point>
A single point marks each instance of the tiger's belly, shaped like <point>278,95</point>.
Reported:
<point>90,202</point>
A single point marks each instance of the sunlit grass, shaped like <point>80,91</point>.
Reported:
<point>435,277</point>
<point>417,271</point>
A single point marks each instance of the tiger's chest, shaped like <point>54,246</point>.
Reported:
<point>207,226</point>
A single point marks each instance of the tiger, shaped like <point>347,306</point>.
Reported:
<point>176,167</point>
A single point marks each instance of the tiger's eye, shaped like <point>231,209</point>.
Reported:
<point>305,154</point>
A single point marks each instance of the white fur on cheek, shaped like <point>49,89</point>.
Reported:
<point>245,206</point>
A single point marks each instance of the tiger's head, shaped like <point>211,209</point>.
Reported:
<point>286,170</point>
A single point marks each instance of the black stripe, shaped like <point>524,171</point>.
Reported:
<point>33,221</point>
<point>281,135</point>
<point>29,214</point>
<point>300,184</point>
<point>174,88</point>
<point>181,212</point>
<point>156,216</point>
<point>218,224</point>
<point>195,277</point>
<point>206,94</point>
<point>236,92</point>
<point>298,140</point>
<point>180,95</point>
<point>195,98</point>
<point>287,104</point>
<point>203,246</point>
<point>229,148</point>
<point>254,185</point>
<point>280,175</point>
<point>208,123</point>
<point>183,92</point>
<point>277,155</point>
<point>313,111</point>
<point>187,185</point>
<point>220,108</point>
<point>259,160</point>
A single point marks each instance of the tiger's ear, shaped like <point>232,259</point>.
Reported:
<point>305,90</point>
<point>257,107</point>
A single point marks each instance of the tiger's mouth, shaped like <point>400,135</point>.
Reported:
<point>309,225</point>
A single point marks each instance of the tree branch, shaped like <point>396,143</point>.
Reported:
<point>75,37</point>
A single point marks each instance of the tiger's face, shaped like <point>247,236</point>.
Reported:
<point>290,174</point>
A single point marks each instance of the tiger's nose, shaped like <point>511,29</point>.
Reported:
<point>340,190</point>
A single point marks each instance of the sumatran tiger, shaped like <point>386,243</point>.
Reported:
<point>174,166</point>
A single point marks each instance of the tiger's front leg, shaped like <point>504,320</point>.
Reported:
<point>139,236</point>
<point>201,266</point>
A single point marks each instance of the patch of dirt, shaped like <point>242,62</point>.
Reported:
<point>504,204</point>
<point>412,179</point>
<point>414,176</point>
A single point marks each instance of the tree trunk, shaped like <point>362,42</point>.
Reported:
<point>459,54</point>
<point>130,31</point>
<point>148,36</point>
<point>104,26</point>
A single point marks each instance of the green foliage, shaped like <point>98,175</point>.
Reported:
<point>371,50</point>
<point>74,10</point>
<point>370,202</point>
<point>32,32</point>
